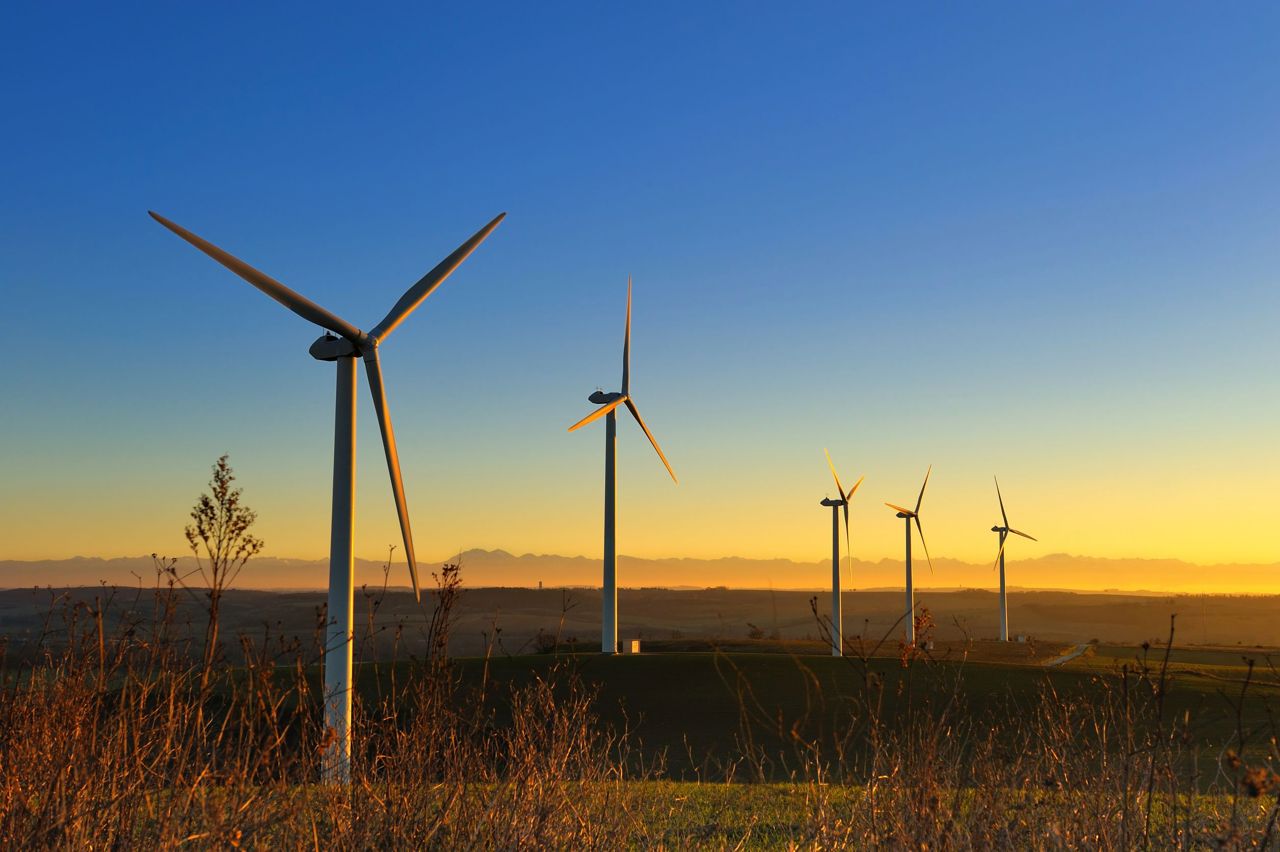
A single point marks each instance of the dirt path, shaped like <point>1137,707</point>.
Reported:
<point>1067,657</point>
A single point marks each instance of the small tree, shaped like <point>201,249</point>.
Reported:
<point>566,603</point>
<point>445,594</point>
<point>221,543</point>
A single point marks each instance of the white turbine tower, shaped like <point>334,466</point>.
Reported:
<point>913,515</point>
<point>608,403</point>
<point>1004,534</point>
<point>837,610</point>
<point>350,344</point>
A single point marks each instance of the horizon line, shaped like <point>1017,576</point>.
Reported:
<point>530,554</point>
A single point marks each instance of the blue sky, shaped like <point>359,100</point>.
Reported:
<point>1038,240</point>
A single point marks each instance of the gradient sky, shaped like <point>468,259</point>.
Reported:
<point>1034,239</point>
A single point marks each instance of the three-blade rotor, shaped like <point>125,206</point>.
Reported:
<point>1006,528</point>
<point>362,343</point>
<point>845,497</point>
<point>610,402</point>
<point>914,515</point>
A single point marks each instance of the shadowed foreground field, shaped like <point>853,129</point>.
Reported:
<point>758,717</point>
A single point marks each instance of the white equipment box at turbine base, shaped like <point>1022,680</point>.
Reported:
<point>634,647</point>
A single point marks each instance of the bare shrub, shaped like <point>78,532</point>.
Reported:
<point>221,543</point>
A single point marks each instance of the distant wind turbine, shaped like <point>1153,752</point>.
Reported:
<point>1004,534</point>
<point>350,344</point>
<point>910,515</point>
<point>609,403</point>
<point>837,611</point>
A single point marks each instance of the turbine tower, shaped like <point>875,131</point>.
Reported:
<point>910,515</point>
<point>1004,534</point>
<point>350,344</point>
<point>609,403</point>
<point>837,610</point>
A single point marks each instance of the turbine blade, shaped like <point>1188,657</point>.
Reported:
<point>635,412</point>
<point>626,346</point>
<point>300,305</point>
<point>1003,540</point>
<point>1001,499</point>
<point>376,387</point>
<point>855,487</point>
<point>835,475</point>
<point>906,512</point>
<point>598,413</point>
<point>415,294</point>
<point>923,544</point>
<point>1021,533</point>
<point>848,545</point>
<point>922,485</point>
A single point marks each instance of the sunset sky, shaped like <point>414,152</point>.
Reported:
<point>1038,240</point>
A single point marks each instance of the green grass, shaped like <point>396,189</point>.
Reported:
<point>784,815</point>
<point>1224,661</point>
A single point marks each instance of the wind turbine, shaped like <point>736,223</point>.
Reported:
<point>349,344</point>
<point>609,403</point>
<point>1004,534</point>
<point>837,611</point>
<point>910,515</point>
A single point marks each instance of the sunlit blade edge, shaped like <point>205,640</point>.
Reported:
<point>299,304</point>
<point>923,543</point>
<point>854,488</point>
<point>1001,499</point>
<point>635,412</point>
<point>626,345</point>
<point>848,544</point>
<point>416,294</point>
<point>378,390</point>
<point>920,499</point>
<point>834,475</point>
<point>598,413</point>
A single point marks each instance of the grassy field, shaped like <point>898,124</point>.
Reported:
<point>695,710</point>
<point>1229,663</point>
<point>115,730</point>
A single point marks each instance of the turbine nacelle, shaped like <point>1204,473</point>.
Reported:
<point>829,502</point>
<point>328,347</point>
<point>602,398</point>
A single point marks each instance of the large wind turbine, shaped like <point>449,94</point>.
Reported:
<point>837,611</point>
<point>349,344</point>
<point>910,515</point>
<point>1004,534</point>
<point>609,403</point>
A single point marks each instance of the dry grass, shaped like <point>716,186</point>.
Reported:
<point>133,736</point>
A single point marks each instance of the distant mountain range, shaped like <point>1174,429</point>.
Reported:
<point>499,568</point>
